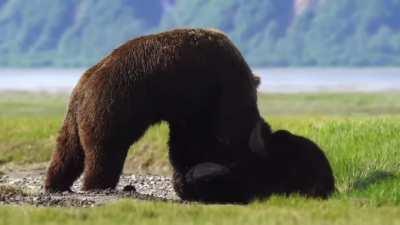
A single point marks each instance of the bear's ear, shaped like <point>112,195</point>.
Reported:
<point>256,140</point>
<point>282,136</point>
<point>256,80</point>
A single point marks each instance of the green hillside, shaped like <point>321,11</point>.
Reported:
<point>74,33</point>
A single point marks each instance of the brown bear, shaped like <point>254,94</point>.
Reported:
<point>290,164</point>
<point>191,78</point>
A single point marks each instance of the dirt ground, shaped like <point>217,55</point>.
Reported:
<point>26,187</point>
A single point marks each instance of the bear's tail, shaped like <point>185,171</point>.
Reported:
<point>68,159</point>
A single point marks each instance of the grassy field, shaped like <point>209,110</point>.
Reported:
<point>360,134</point>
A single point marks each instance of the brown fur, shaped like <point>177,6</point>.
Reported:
<point>184,77</point>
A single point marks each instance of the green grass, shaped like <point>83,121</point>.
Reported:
<point>275,211</point>
<point>343,104</point>
<point>360,134</point>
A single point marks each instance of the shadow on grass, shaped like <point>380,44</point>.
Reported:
<point>375,177</point>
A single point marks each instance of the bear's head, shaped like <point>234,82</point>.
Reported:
<point>289,164</point>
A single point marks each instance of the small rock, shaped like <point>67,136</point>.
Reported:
<point>129,188</point>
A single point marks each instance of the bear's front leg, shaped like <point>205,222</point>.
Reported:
<point>211,183</point>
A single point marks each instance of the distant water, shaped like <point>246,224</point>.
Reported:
<point>279,80</point>
<point>48,80</point>
<point>329,80</point>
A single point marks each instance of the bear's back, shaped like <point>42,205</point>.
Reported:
<point>182,69</point>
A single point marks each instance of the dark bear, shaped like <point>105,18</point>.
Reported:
<point>290,164</point>
<point>187,77</point>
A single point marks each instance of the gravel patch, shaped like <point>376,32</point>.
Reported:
<point>29,190</point>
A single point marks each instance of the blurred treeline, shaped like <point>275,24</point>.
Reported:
<point>77,33</point>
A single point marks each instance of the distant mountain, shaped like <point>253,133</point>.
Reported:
<point>70,32</point>
<point>76,33</point>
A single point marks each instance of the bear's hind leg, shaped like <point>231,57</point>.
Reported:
<point>67,162</point>
<point>115,112</point>
<point>105,153</point>
<point>102,170</point>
